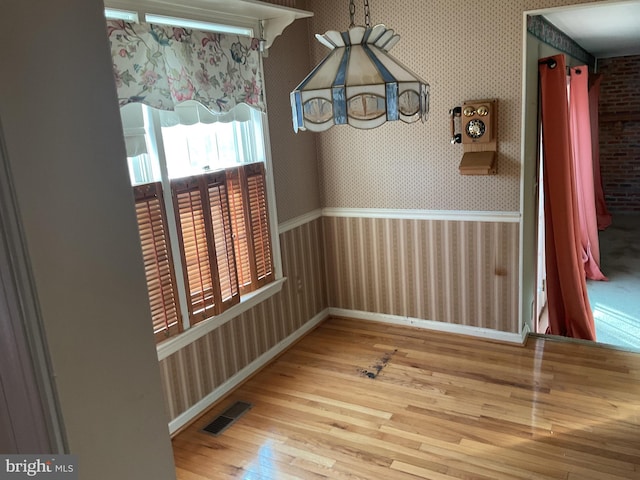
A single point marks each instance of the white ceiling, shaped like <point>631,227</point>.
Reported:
<point>607,29</point>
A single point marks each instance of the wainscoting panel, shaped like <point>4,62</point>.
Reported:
<point>460,272</point>
<point>196,370</point>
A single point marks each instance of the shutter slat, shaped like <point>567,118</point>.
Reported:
<point>202,210</point>
<point>250,218</point>
<point>222,239</point>
<point>156,252</point>
<point>194,249</point>
<point>259,223</point>
<point>238,215</point>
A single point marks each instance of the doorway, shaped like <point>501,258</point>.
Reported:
<point>615,315</point>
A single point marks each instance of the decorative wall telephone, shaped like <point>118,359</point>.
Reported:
<point>478,137</point>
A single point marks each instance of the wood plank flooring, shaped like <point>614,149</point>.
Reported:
<point>363,400</point>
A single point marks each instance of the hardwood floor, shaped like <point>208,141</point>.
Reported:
<point>360,400</point>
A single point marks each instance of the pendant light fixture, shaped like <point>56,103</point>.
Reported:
<point>359,83</point>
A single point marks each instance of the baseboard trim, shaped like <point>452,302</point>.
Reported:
<point>485,333</point>
<point>525,333</point>
<point>196,410</point>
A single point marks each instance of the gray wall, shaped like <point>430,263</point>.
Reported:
<point>295,167</point>
<point>60,118</point>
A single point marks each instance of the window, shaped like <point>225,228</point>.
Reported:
<point>202,209</point>
<point>200,179</point>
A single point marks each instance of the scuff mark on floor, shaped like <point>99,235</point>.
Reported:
<point>376,369</point>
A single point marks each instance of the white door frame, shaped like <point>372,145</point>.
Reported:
<point>531,52</point>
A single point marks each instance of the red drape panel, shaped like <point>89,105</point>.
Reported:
<point>602,213</point>
<point>568,304</point>
<point>580,128</point>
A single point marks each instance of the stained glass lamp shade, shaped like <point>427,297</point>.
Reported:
<point>359,83</point>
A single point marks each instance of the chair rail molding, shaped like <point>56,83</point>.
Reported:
<point>410,214</point>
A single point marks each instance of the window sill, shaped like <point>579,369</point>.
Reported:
<point>248,301</point>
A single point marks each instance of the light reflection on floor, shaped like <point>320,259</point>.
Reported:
<point>616,303</point>
<point>615,327</point>
<point>264,466</point>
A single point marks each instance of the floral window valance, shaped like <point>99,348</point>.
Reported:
<point>163,66</point>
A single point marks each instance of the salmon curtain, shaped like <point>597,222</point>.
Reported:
<point>568,304</point>
<point>581,148</point>
<point>602,213</point>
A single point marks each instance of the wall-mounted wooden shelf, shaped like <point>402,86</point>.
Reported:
<point>246,13</point>
<point>478,163</point>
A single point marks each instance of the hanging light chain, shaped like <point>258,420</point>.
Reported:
<point>367,14</point>
<point>352,13</point>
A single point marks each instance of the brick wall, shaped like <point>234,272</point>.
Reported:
<point>620,132</point>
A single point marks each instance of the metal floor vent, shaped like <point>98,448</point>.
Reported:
<point>227,418</point>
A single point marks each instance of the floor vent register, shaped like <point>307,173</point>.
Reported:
<point>227,418</point>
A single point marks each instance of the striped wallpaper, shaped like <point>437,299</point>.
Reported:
<point>195,371</point>
<point>455,271</point>
<point>462,272</point>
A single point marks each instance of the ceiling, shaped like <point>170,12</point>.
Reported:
<point>608,29</point>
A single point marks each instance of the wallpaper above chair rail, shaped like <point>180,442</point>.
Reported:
<point>465,51</point>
